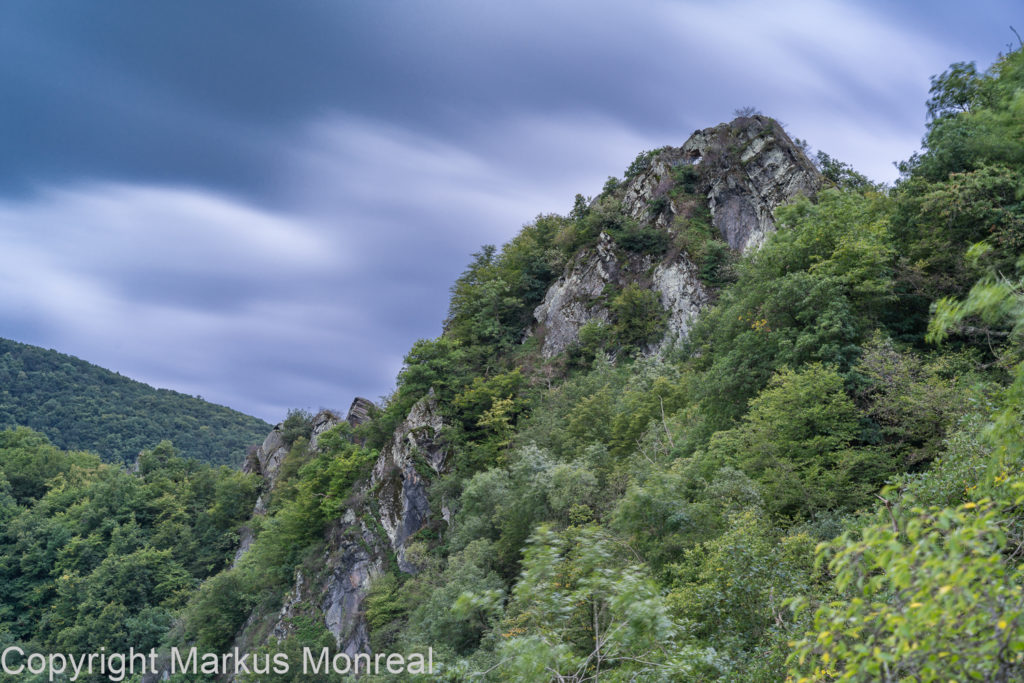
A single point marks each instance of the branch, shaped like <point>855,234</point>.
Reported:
<point>664,423</point>
<point>888,507</point>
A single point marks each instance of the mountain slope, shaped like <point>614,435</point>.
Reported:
<point>81,406</point>
<point>553,493</point>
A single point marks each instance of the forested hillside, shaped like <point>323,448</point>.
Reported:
<point>80,406</point>
<point>92,556</point>
<point>819,477</point>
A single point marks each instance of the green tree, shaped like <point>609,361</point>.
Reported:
<point>579,611</point>
<point>639,318</point>
<point>798,443</point>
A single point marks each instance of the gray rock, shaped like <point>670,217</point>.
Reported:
<point>574,299</point>
<point>322,421</point>
<point>266,461</point>
<point>751,168</point>
<point>356,552</point>
<point>402,491</point>
<point>360,411</point>
<point>683,295</point>
<point>579,296</point>
<point>337,589</point>
<point>746,170</point>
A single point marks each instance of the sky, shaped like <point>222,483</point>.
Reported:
<point>264,203</point>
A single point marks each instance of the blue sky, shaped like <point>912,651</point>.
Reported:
<point>265,202</point>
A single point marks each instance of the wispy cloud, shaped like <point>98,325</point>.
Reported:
<point>266,204</point>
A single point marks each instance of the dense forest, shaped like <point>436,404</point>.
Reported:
<point>824,481</point>
<point>80,406</point>
<point>94,556</point>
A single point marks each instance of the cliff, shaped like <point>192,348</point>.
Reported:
<point>736,173</point>
<point>383,515</point>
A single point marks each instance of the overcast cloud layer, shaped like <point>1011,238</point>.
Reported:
<point>265,203</point>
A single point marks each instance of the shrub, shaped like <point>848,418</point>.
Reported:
<point>639,318</point>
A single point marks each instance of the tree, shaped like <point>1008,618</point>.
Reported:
<point>580,612</point>
<point>954,91</point>
<point>937,592</point>
<point>798,443</point>
<point>639,318</point>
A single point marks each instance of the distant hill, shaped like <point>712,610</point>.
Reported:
<point>81,406</point>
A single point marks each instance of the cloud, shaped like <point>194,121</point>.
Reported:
<point>168,285</point>
<point>267,204</point>
<point>271,309</point>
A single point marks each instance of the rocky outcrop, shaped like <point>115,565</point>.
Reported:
<point>265,460</point>
<point>682,294</point>
<point>382,517</point>
<point>335,589</point>
<point>741,172</point>
<point>654,182</point>
<point>360,411</point>
<point>397,476</point>
<point>579,296</point>
<point>750,168</point>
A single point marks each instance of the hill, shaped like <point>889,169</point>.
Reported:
<point>739,417</point>
<point>81,406</point>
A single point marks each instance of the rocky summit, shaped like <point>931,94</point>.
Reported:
<point>739,172</point>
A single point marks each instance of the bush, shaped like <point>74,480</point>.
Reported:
<point>299,423</point>
<point>639,318</point>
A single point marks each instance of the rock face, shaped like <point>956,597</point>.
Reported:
<point>752,168</point>
<point>578,296</point>
<point>334,592</point>
<point>265,460</point>
<point>404,509</point>
<point>742,171</point>
<point>360,411</point>
<point>683,295</point>
<point>383,516</point>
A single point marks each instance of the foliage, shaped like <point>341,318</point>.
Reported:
<point>92,556</point>
<point>580,611</point>
<point>799,443</point>
<point>842,175</point>
<point>930,597</point>
<point>954,91</point>
<point>934,591</point>
<point>640,164</point>
<point>734,585</point>
<point>912,400</point>
<point>812,293</point>
<point>678,508</point>
<point>639,318</point>
<point>218,610</point>
<point>297,425</point>
<point>492,301</point>
<point>80,406</point>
